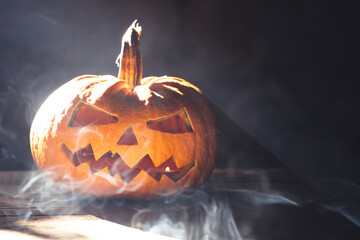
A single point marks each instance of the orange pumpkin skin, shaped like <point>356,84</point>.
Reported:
<point>50,130</point>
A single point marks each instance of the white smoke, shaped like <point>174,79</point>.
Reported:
<point>207,214</point>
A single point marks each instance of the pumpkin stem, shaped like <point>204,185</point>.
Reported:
<point>129,60</point>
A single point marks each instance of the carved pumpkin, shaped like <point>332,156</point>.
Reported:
<point>129,136</point>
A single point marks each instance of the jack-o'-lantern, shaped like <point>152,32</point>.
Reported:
<point>128,136</point>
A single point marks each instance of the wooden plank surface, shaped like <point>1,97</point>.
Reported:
<point>233,204</point>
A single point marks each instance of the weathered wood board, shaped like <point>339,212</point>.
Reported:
<point>233,204</point>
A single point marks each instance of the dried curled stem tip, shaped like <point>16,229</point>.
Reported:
<point>129,59</point>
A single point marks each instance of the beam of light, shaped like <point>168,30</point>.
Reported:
<point>85,227</point>
<point>14,235</point>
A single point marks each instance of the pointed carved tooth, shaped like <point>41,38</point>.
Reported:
<point>101,162</point>
<point>176,176</point>
<point>83,155</point>
<point>99,151</point>
<point>170,162</point>
<point>68,153</point>
<point>113,163</point>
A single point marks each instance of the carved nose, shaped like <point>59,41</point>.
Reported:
<point>128,137</point>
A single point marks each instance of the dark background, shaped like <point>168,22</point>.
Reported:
<point>286,73</point>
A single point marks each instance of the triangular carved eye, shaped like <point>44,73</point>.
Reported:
<point>128,137</point>
<point>178,122</point>
<point>87,115</point>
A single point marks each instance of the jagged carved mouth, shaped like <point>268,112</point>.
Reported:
<point>117,166</point>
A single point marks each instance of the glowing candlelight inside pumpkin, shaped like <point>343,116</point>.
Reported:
<point>167,169</point>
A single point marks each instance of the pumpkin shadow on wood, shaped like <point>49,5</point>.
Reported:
<point>237,149</point>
